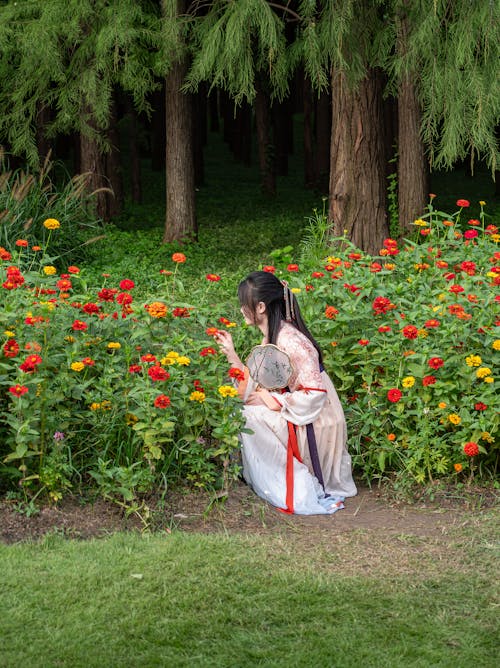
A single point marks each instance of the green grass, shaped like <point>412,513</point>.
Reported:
<point>219,600</point>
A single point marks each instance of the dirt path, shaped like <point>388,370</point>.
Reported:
<point>241,512</point>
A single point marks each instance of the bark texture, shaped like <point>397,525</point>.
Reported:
<point>357,166</point>
<point>264,141</point>
<point>180,220</point>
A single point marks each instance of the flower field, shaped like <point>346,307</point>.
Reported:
<point>123,389</point>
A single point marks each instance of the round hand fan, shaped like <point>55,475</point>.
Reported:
<point>269,367</point>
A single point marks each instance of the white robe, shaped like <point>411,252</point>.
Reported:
<point>264,452</point>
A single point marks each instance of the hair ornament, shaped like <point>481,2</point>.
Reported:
<point>288,297</point>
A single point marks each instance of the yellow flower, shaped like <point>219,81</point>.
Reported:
<point>442,296</point>
<point>442,404</point>
<point>9,334</point>
<point>197,396</point>
<point>458,467</point>
<point>495,238</point>
<point>183,361</point>
<point>106,405</point>
<point>409,381</point>
<point>156,309</point>
<point>49,305</point>
<point>167,361</point>
<point>389,266</point>
<point>491,274</point>
<point>473,360</point>
<point>78,366</point>
<point>69,339</point>
<point>228,391</point>
<point>95,406</point>
<point>420,222</point>
<point>49,270</point>
<point>51,224</point>
<point>130,419</point>
<point>483,372</point>
<point>454,418</point>
<point>495,345</point>
<point>230,324</point>
<point>423,333</point>
<point>114,345</point>
<point>296,291</point>
<point>489,379</point>
<point>482,202</point>
<point>486,436</point>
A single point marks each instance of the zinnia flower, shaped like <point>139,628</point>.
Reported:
<point>49,270</point>
<point>435,362</point>
<point>156,309</point>
<point>331,312</point>
<point>483,372</point>
<point>114,345</point>
<point>213,277</point>
<point>432,323</point>
<point>473,360</point>
<point>479,406</point>
<point>428,380</point>
<point>496,344</point>
<point>18,390</point>
<point>22,243</point>
<point>394,395</point>
<point>458,467</point>
<point>454,418</point>
<point>269,268</point>
<point>228,391</point>
<point>197,396</point>
<point>410,332</point>
<point>162,401</point>
<point>10,348</point>
<point>293,267</point>
<point>135,368</point>
<point>181,312</point>
<point>183,360</point>
<point>236,373</point>
<point>158,373</point>
<point>363,342</point>
<point>178,258</point>
<point>471,234</point>
<point>471,449</point>
<point>51,224</point>
<point>204,352</point>
<point>463,203</point>
<point>73,270</point>
<point>126,284</point>
<point>79,325</point>
<point>409,381</point>
<point>77,366</point>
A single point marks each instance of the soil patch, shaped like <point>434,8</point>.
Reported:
<point>241,511</point>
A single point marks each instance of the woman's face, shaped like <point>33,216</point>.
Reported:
<point>256,318</point>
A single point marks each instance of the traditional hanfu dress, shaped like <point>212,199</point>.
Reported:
<point>296,458</point>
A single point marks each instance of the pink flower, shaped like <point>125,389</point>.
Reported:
<point>470,234</point>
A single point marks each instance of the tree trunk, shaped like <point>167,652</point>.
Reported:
<point>413,178</point>
<point>264,141</point>
<point>281,113</point>
<point>323,133</point>
<point>158,130</point>
<point>93,164</point>
<point>308,135</point>
<point>180,222</point>
<point>357,187</point>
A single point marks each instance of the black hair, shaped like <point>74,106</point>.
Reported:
<point>263,286</point>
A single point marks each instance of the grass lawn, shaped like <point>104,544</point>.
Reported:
<point>183,599</point>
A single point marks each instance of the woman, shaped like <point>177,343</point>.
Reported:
<point>296,458</point>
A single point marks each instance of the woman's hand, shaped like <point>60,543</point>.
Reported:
<point>226,346</point>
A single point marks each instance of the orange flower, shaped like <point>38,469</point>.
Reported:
<point>156,309</point>
<point>391,437</point>
<point>331,312</point>
<point>458,467</point>
<point>179,258</point>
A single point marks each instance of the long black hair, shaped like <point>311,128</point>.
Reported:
<point>262,286</point>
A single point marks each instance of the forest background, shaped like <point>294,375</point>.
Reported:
<point>241,134</point>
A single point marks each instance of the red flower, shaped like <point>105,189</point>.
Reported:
<point>331,312</point>
<point>382,305</point>
<point>464,203</point>
<point>90,308</point>
<point>410,332</point>
<point>124,298</point>
<point>73,270</point>
<point>352,288</point>
<point>18,390</point>
<point>317,274</point>
<point>435,362</point>
<point>456,288</point>
<point>88,361</point>
<point>293,267</point>
<point>432,323</point>
<point>162,401</point>
<point>384,328</point>
<point>471,449</point>
<point>157,372</point>
<point>375,267</point>
<point>355,256</point>
<point>479,406</point>
<point>212,277</point>
<point>79,325</point>
<point>31,363</point>
<point>107,294</point>
<point>10,348</point>
<point>269,268</point>
<point>428,380</point>
<point>473,222</point>
<point>470,234</point>
<point>126,284</point>
<point>394,395</point>
<point>22,243</point>
<point>135,368</point>
<point>211,331</point>
<point>64,284</point>
<point>4,254</point>
<point>207,351</point>
<point>148,357</point>
<point>236,373</point>
<point>363,342</point>
<point>178,258</point>
<point>180,312</point>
